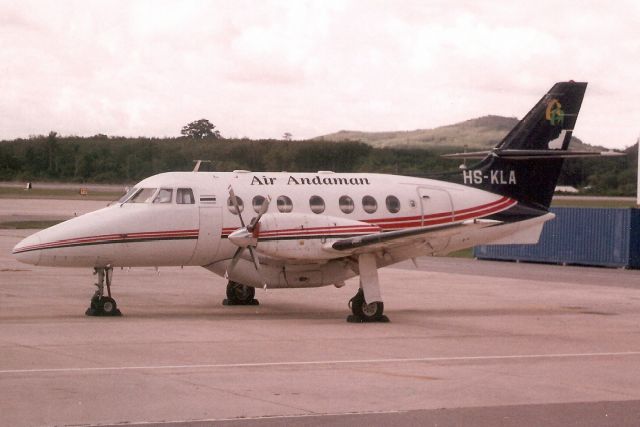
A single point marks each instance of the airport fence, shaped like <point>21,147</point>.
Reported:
<point>607,237</point>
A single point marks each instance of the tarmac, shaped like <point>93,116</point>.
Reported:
<point>16,210</point>
<point>469,343</point>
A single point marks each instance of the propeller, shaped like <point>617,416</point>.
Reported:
<point>246,237</point>
<point>234,200</point>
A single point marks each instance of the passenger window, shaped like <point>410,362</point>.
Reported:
<point>257,203</point>
<point>284,204</point>
<point>184,196</point>
<point>393,204</point>
<point>317,204</point>
<point>346,204</point>
<point>369,204</point>
<point>143,196</point>
<point>164,196</point>
<point>231,206</point>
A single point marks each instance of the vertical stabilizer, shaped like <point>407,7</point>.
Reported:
<point>545,133</point>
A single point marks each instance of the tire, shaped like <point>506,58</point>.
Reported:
<point>240,294</point>
<point>367,312</point>
<point>108,306</point>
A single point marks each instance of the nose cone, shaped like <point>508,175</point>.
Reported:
<point>28,250</point>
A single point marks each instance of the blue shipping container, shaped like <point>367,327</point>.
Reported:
<point>583,236</point>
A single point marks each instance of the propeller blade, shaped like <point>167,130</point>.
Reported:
<point>241,237</point>
<point>263,209</point>
<point>265,206</point>
<point>234,261</point>
<point>256,263</point>
<point>234,200</point>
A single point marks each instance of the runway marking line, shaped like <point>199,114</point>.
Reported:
<point>255,418</point>
<point>323,362</point>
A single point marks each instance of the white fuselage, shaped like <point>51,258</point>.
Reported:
<point>170,227</point>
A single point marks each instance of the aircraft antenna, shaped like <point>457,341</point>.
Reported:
<point>463,166</point>
<point>196,168</point>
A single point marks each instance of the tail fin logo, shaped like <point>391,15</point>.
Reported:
<point>554,112</point>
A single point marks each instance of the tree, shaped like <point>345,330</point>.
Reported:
<point>52,144</point>
<point>287,136</point>
<point>200,129</point>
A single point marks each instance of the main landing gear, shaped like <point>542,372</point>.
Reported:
<point>239,294</point>
<point>362,310</point>
<point>102,305</point>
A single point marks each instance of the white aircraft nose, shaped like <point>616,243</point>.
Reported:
<point>28,250</point>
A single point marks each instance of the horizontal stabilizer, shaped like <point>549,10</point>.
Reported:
<point>532,154</point>
<point>469,155</point>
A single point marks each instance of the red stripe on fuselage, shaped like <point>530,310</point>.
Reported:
<point>117,238</point>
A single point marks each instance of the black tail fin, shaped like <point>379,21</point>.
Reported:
<point>526,164</point>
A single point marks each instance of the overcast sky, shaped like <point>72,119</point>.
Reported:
<point>261,68</point>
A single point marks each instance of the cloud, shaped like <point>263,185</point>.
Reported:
<point>259,69</point>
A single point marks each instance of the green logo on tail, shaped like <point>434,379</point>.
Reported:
<point>554,112</point>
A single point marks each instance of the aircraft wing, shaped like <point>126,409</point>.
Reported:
<point>445,238</point>
<point>430,236</point>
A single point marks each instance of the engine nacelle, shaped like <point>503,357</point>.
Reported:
<point>306,236</point>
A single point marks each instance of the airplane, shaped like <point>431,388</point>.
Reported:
<point>324,227</point>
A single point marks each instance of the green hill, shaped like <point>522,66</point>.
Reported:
<point>481,133</point>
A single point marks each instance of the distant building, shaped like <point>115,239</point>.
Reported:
<point>566,189</point>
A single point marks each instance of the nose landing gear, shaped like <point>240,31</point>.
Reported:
<point>102,305</point>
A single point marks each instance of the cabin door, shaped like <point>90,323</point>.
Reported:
<point>437,210</point>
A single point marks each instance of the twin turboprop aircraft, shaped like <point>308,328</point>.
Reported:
<point>300,230</point>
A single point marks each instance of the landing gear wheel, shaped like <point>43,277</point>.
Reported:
<point>102,305</point>
<point>105,306</point>
<point>239,294</point>
<point>109,307</point>
<point>364,312</point>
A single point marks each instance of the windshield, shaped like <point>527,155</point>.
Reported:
<point>144,195</point>
<point>126,195</point>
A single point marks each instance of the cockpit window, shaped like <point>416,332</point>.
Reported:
<point>184,196</point>
<point>144,195</point>
<point>129,193</point>
<point>164,196</point>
